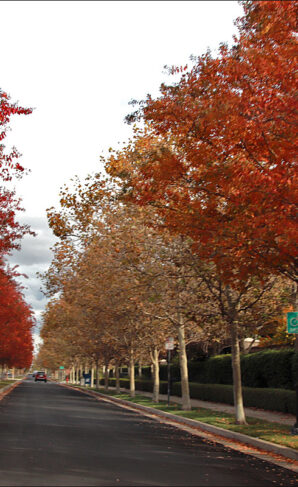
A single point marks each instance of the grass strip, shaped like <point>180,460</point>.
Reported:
<point>4,383</point>
<point>257,428</point>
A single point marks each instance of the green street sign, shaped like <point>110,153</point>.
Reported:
<point>292,322</point>
<point>61,367</point>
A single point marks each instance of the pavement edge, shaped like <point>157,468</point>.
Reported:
<point>7,389</point>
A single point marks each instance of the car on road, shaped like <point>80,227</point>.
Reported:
<point>40,376</point>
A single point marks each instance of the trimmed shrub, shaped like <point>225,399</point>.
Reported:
<point>268,368</point>
<point>281,400</point>
<point>175,372</point>
<point>252,370</point>
<point>274,368</point>
<point>140,384</point>
<point>295,370</point>
<point>196,370</point>
<point>207,392</point>
<point>218,370</point>
<point>269,399</point>
<point>146,372</point>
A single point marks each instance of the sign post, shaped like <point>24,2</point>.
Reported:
<point>292,327</point>
<point>169,346</point>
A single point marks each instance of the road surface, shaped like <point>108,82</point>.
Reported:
<point>54,436</point>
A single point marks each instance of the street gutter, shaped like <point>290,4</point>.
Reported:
<point>278,454</point>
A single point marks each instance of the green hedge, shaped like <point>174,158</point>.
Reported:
<point>175,372</point>
<point>268,368</point>
<point>281,400</point>
<point>140,384</point>
<point>207,392</point>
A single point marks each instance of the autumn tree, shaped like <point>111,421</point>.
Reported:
<point>17,321</point>
<point>10,169</point>
<point>16,318</point>
<point>216,156</point>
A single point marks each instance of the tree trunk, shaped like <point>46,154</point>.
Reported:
<point>237,385</point>
<point>97,374</point>
<point>106,378</point>
<point>132,387</point>
<point>155,364</point>
<point>186,404</point>
<point>118,390</point>
<point>140,369</point>
<point>92,376</point>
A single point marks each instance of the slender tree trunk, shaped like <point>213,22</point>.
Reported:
<point>186,404</point>
<point>97,374</point>
<point>132,387</point>
<point>155,364</point>
<point>92,376</point>
<point>237,385</point>
<point>118,390</point>
<point>140,369</point>
<point>106,378</point>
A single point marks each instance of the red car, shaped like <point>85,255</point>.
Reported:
<point>40,376</point>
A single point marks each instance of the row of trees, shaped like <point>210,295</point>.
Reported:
<point>119,287</point>
<point>194,234</point>
<point>16,318</point>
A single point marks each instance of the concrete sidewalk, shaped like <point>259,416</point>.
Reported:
<point>272,416</point>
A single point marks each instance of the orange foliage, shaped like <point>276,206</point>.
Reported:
<point>218,155</point>
<point>16,322</point>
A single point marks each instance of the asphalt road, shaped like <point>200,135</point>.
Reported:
<point>54,436</point>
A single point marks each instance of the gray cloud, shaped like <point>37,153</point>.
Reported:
<point>35,256</point>
<point>34,250</point>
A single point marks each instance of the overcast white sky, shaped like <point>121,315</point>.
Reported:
<point>79,63</point>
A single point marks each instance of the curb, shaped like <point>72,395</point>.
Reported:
<point>266,446</point>
<point>7,389</point>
